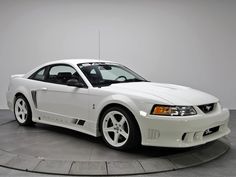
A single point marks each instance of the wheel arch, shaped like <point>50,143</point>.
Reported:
<point>19,94</point>
<point>22,91</point>
<point>28,120</point>
<point>110,105</point>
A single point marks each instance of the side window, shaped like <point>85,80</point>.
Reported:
<point>60,74</point>
<point>39,75</point>
<point>55,70</point>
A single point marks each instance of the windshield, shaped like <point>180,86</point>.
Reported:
<point>104,74</point>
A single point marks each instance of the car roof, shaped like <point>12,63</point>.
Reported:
<point>66,61</point>
<point>76,61</point>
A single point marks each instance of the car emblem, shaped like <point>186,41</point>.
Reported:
<point>208,108</point>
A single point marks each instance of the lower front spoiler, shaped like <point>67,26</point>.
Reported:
<point>184,132</point>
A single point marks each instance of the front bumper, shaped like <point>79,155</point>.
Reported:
<point>185,131</point>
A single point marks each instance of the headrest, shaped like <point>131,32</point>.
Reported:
<point>64,75</point>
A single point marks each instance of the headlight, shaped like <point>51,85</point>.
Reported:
<point>165,110</point>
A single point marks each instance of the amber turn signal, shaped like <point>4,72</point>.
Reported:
<point>161,110</point>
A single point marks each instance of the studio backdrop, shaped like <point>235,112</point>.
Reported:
<point>186,42</point>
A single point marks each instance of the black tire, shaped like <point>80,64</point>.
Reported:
<point>28,117</point>
<point>134,138</point>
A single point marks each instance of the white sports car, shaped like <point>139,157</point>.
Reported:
<point>104,98</point>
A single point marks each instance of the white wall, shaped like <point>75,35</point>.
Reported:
<point>188,42</point>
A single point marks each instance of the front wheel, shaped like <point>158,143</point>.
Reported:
<point>22,111</point>
<point>119,130</point>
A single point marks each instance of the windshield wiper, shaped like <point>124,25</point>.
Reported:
<point>135,80</point>
<point>104,83</point>
<point>108,83</point>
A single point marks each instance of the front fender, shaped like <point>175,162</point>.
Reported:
<point>131,105</point>
<point>118,99</point>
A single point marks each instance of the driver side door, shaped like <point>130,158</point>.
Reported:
<point>58,103</point>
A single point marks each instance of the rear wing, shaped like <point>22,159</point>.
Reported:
<point>17,76</point>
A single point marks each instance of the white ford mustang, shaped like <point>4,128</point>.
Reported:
<point>103,98</point>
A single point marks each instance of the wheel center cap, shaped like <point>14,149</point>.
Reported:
<point>116,128</point>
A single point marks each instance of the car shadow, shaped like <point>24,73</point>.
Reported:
<point>146,151</point>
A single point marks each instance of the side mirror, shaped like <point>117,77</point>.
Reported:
<point>74,82</point>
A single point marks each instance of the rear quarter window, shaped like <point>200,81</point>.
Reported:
<point>38,75</point>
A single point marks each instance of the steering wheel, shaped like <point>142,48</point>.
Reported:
<point>121,77</point>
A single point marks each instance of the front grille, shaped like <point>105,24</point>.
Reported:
<point>206,108</point>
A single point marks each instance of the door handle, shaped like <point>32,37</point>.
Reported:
<point>44,89</point>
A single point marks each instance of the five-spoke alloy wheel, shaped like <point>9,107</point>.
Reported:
<point>22,111</point>
<point>118,129</point>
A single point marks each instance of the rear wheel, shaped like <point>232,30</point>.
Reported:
<point>119,130</point>
<point>22,111</point>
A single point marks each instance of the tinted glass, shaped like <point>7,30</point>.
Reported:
<point>39,75</point>
<point>60,74</point>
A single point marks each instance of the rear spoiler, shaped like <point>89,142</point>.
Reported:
<point>17,76</point>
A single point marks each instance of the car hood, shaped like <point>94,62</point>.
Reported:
<point>172,94</point>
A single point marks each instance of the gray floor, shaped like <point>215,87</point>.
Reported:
<point>224,166</point>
